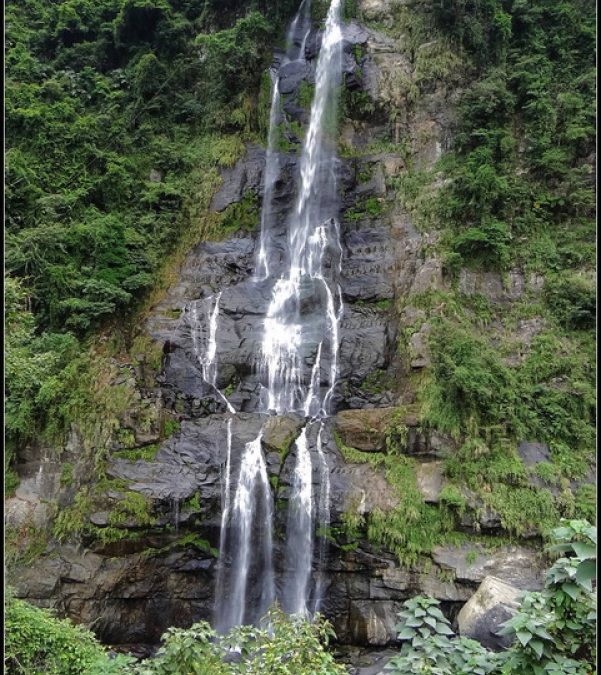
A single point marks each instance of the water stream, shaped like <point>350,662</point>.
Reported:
<point>298,361</point>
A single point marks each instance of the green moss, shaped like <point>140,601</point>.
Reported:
<point>126,437</point>
<point>412,528</point>
<point>171,427</point>
<point>548,472</point>
<point>11,478</point>
<point>193,503</point>
<point>372,207</point>
<point>586,502</point>
<point>383,304</point>
<point>319,9</point>
<point>349,10</point>
<point>452,497</point>
<point>24,544</point>
<point>523,509</point>
<point>133,506</point>
<point>376,382</point>
<point>243,215</point>
<point>471,557</point>
<point>306,92</point>
<point>66,474</point>
<point>188,540</point>
<point>147,453</point>
<point>72,521</point>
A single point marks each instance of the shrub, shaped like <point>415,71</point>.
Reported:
<point>573,300</point>
<point>36,642</point>
<point>554,630</point>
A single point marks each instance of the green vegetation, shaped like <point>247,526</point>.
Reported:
<point>554,630</point>
<point>515,192</point>
<point>130,510</point>
<point>412,528</point>
<point>37,642</point>
<point>23,545</point>
<point>185,541</point>
<point>118,115</point>
<point>488,406</point>
<point>372,207</point>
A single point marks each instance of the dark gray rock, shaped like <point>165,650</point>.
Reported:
<point>354,33</point>
<point>245,175</point>
<point>291,75</point>
<point>313,44</point>
<point>531,453</point>
<point>516,565</point>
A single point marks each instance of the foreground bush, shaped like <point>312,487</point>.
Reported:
<point>36,642</point>
<point>554,630</point>
<point>39,643</point>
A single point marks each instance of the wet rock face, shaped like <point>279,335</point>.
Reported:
<point>133,590</point>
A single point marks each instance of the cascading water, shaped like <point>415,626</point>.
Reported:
<point>299,532</point>
<point>205,346</point>
<point>324,518</point>
<point>304,297</point>
<point>300,26</point>
<point>299,357</point>
<point>252,502</point>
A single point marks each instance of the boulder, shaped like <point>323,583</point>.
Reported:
<point>280,431</point>
<point>245,175</point>
<point>364,429</point>
<point>482,615</point>
<point>373,623</point>
<point>291,75</point>
<point>419,349</point>
<point>519,566</point>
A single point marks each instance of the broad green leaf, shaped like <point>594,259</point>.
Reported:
<point>584,551</point>
<point>443,629</point>
<point>572,590</point>
<point>537,646</point>
<point>524,637</point>
<point>586,572</point>
<point>406,634</point>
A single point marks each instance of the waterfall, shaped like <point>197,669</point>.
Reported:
<point>225,518</point>
<point>250,523</point>
<point>299,533</point>
<point>298,361</point>
<point>205,347</point>
<point>312,233</point>
<point>272,170</point>
<point>295,50</point>
<point>324,518</point>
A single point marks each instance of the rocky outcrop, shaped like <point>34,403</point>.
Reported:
<point>365,429</point>
<point>483,614</point>
<point>240,179</point>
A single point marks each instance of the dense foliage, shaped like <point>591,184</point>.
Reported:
<point>522,172</point>
<point>118,113</point>
<point>511,336</point>
<point>38,642</point>
<point>554,631</point>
